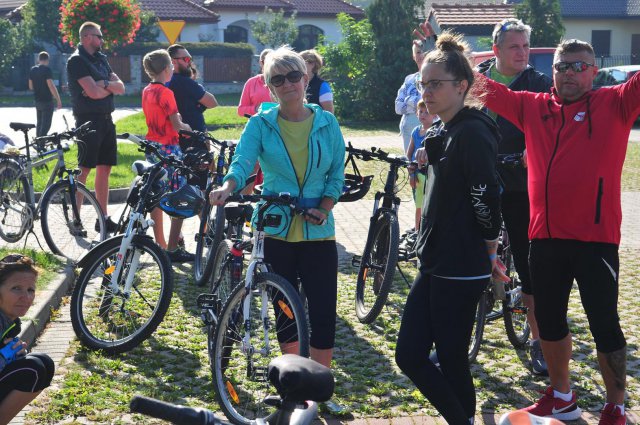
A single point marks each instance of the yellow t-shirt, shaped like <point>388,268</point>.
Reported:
<point>296,139</point>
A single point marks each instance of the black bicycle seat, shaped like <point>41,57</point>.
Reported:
<point>298,378</point>
<point>18,126</point>
<point>140,167</point>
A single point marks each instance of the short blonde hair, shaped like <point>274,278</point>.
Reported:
<point>155,62</point>
<point>313,57</point>
<point>282,60</point>
<point>86,25</point>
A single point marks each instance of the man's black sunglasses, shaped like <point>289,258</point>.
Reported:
<point>293,77</point>
<point>578,66</point>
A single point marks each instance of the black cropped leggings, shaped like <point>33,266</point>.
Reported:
<point>29,374</point>
<point>441,312</point>
<point>316,264</point>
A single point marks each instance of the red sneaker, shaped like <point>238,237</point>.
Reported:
<point>611,415</point>
<point>552,407</point>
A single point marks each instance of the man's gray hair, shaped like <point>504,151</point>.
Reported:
<point>507,25</point>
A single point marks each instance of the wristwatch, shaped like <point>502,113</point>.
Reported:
<point>106,83</point>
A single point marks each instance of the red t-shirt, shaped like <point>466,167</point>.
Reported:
<point>158,104</point>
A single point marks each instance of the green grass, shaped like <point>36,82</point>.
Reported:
<point>47,264</point>
<point>631,169</point>
<point>121,175</point>
<point>225,124</point>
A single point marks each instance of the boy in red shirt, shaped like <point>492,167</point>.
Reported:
<point>163,122</point>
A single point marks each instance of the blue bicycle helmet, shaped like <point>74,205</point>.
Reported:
<point>185,202</point>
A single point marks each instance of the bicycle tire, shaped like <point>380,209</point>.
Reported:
<point>13,201</point>
<point>514,312</point>
<point>210,233</point>
<point>81,234</point>
<point>222,281</point>
<point>381,255</point>
<point>240,375</point>
<point>102,319</point>
<point>478,328</point>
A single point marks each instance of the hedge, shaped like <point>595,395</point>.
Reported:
<point>208,49</point>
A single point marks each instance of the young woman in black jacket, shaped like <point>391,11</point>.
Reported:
<point>458,235</point>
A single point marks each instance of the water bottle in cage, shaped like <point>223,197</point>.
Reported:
<point>236,262</point>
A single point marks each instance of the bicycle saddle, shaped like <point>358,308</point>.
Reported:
<point>299,378</point>
<point>18,126</point>
<point>139,167</point>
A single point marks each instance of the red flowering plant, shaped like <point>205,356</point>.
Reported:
<point>119,20</point>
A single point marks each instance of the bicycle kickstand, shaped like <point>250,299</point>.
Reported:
<point>404,276</point>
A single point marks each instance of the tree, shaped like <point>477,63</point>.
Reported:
<point>119,20</point>
<point>11,46</point>
<point>392,22</point>
<point>41,21</point>
<point>273,29</point>
<point>545,20</point>
<point>349,65</point>
<point>149,29</point>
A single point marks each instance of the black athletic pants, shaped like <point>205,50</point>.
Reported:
<point>441,312</point>
<point>29,374</point>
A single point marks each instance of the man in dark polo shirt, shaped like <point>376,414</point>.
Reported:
<point>44,92</point>
<point>92,84</point>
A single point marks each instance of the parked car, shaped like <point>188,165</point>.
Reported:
<point>614,75</point>
<point>541,58</point>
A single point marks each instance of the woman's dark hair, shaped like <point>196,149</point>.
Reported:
<point>16,263</point>
<point>451,51</point>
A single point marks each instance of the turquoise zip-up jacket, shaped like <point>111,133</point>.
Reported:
<point>261,140</point>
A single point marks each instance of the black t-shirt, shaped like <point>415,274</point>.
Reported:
<point>39,75</point>
<point>188,94</point>
<point>82,64</point>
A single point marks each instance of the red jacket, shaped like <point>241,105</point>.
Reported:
<point>575,153</point>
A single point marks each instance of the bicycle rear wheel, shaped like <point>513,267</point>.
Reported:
<point>14,210</point>
<point>78,233</point>
<point>514,311</point>
<point>377,268</point>
<point>478,328</point>
<point>210,233</point>
<point>115,322</point>
<point>276,320</point>
<point>223,282</point>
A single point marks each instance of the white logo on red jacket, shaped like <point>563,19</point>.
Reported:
<point>579,116</point>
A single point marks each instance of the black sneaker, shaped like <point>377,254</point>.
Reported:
<point>111,227</point>
<point>179,255</point>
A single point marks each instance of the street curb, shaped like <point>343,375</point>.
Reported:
<point>48,299</point>
<point>118,195</point>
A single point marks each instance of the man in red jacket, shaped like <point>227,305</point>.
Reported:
<point>576,140</point>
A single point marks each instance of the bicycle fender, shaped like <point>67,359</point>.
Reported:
<point>89,254</point>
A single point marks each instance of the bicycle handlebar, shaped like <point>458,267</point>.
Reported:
<point>281,199</point>
<point>56,138</point>
<point>206,136</point>
<point>377,154</point>
<point>181,415</point>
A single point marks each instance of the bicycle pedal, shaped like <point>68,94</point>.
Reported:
<point>356,260</point>
<point>260,374</point>
<point>207,301</point>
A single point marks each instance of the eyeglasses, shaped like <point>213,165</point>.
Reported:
<point>293,77</point>
<point>578,66</point>
<point>186,59</point>
<point>431,85</point>
<point>100,36</point>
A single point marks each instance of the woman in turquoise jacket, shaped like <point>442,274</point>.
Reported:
<point>301,151</point>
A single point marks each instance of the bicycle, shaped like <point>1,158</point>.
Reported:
<point>212,223</point>
<point>264,311</point>
<point>379,259</point>
<point>126,283</point>
<point>65,202</point>
<point>503,299</point>
<point>300,382</point>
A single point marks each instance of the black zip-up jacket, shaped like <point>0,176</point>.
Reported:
<point>514,179</point>
<point>462,199</point>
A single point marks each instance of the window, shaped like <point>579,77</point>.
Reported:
<point>601,42</point>
<point>308,37</point>
<point>235,34</point>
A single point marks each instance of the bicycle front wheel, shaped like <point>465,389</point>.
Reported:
<point>377,268</point>
<point>210,233</point>
<point>243,346</point>
<point>81,226</point>
<point>115,321</point>
<point>14,210</point>
<point>514,311</point>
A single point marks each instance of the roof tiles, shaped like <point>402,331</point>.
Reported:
<point>600,9</point>
<point>304,7</point>
<point>180,9</point>
<point>471,14</point>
